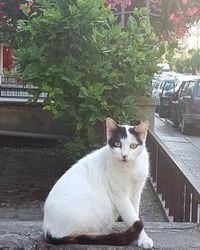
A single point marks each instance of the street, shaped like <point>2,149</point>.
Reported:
<point>185,149</point>
<point>194,139</point>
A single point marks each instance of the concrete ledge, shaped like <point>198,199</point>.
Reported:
<point>146,109</point>
<point>27,235</point>
<point>20,119</point>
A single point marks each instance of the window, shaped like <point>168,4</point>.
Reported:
<point>188,89</point>
<point>161,84</point>
<point>182,87</point>
<point>169,85</point>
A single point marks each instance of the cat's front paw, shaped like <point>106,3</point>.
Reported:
<point>145,242</point>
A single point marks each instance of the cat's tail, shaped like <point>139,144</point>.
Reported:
<point>116,239</point>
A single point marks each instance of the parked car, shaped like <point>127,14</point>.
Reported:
<point>164,67</point>
<point>168,90</point>
<point>185,106</point>
<point>158,86</point>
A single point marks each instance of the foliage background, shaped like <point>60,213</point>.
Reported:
<point>189,63</point>
<point>90,68</point>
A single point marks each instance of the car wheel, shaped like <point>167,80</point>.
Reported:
<point>185,128</point>
<point>173,116</point>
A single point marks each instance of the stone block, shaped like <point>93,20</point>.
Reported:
<point>169,236</point>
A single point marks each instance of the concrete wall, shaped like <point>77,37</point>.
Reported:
<point>146,109</point>
<point>20,117</point>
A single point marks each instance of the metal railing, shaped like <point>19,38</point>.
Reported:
<point>181,197</point>
<point>9,88</point>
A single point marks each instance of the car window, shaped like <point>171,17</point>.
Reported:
<point>198,89</point>
<point>169,85</point>
<point>188,89</point>
<point>180,91</point>
<point>161,84</point>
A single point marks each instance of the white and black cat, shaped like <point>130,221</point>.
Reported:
<point>86,201</point>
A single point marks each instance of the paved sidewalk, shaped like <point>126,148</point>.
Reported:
<point>186,154</point>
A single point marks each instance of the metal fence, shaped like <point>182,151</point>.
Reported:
<point>10,88</point>
<point>181,197</point>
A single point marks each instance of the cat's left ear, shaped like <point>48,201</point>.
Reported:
<point>142,129</point>
<point>110,127</point>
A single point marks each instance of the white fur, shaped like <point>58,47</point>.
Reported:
<point>91,195</point>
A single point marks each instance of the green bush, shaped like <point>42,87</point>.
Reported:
<point>74,149</point>
<point>90,68</point>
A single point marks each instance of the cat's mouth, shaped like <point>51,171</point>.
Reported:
<point>124,160</point>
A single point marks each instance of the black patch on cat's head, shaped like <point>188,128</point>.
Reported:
<point>136,134</point>
<point>117,134</point>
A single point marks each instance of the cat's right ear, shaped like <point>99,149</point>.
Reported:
<point>110,127</point>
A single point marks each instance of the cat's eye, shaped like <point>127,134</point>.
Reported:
<point>117,144</point>
<point>133,145</point>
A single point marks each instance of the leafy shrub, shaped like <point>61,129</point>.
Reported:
<point>74,149</point>
<point>90,68</point>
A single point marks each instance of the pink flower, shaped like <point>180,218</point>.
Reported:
<point>177,19</point>
<point>2,5</point>
<point>128,3</point>
<point>115,3</point>
<point>30,3</point>
<point>158,2</point>
<point>193,10</point>
<point>20,6</point>
<point>112,3</point>
<point>171,17</point>
<point>185,2</point>
<point>179,12</point>
<point>180,32</point>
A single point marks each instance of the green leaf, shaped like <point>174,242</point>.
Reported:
<point>132,24</point>
<point>47,107</point>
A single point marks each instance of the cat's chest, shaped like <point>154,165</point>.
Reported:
<point>125,182</point>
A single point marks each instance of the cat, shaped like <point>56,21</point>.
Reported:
<point>86,201</point>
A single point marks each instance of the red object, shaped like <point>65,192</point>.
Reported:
<point>7,58</point>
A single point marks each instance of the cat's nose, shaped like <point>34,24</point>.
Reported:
<point>124,157</point>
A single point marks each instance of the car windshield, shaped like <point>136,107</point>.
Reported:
<point>198,90</point>
<point>169,85</point>
<point>165,70</point>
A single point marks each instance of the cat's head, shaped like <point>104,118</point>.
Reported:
<point>126,142</point>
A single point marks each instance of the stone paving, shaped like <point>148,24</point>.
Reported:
<point>166,236</point>
<point>183,151</point>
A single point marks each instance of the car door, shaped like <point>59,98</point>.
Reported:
<point>189,98</point>
<point>180,105</point>
<point>197,97</point>
<point>186,101</point>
